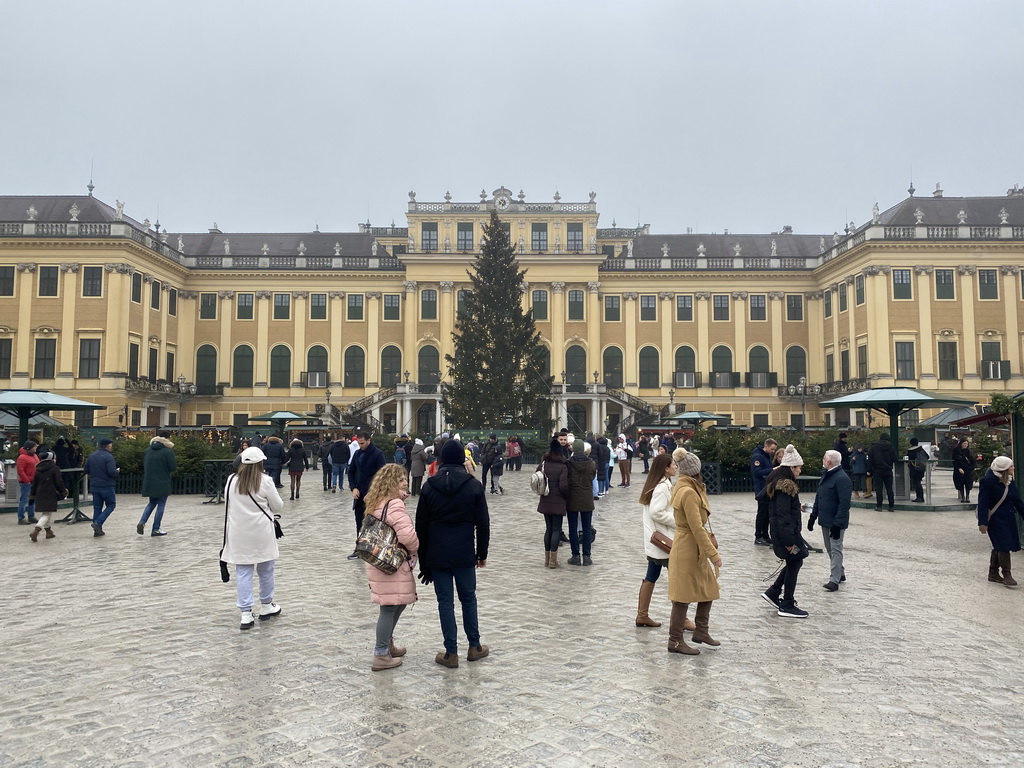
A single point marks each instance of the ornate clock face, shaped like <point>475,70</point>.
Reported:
<point>501,203</point>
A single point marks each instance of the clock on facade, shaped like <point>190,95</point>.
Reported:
<point>502,202</point>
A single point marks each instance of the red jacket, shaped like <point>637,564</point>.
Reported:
<point>26,466</point>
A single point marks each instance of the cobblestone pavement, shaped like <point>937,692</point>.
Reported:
<point>125,651</point>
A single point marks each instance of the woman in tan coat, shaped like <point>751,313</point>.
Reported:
<point>694,561</point>
<point>391,591</point>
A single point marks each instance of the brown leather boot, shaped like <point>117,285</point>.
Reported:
<point>1004,564</point>
<point>554,560</point>
<point>395,650</point>
<point>385,662</point>
<point>993,568</point>
<point>50,534</point>
<point>35,533</point>
<point>676,643</point>
<point>700,635</point>
<point>644,604</point>
<point>547,559</point>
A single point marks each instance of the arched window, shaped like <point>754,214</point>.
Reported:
<point>796,365</point>
<point>544,363</point>
<point>280,366</point>
<point>428,374</point>
<point>650,377</point>
<point>577,417</point>
<point>355,367</point>
<point>390,366</point>
<point>612,364</point>
<point>316,359</point>
<point>759,360</point>
<point>686,360</point>
<point>241,367</point>
<point>576,365</point>
<point>206,370</point>
<point>721,359</point>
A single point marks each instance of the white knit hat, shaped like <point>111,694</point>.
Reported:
<point>791,458</point>
<point>688,463</point>
<point>1001,463</point>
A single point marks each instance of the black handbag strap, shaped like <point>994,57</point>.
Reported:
<point>227,496</point>
<point>992,511</point>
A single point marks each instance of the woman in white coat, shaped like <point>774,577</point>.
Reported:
<point>656,499</point>
<point>251,501</point>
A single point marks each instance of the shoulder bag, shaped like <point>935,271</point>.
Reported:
<point>378,543</point>
<point>539,482</point>
<point>661,541</point>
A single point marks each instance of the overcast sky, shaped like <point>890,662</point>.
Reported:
<point>280,116</point>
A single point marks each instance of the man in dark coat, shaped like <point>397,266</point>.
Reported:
<point>881,460</point>
<point>760,468</point>
<point>832,510</point>
<point>451,513</point>
<point>276,454</point>
<point>917,465</point>
<point>339,454</point>
<point>487,457</point>
<point>103,473</point>
<point>844,451</point>
<point>365,464</point>
<point>158,464</point>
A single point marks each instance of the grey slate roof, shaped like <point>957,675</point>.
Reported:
<point>278,243</point>
<point>56,208</point>
<point>723,246</point>
<point>942,211</point>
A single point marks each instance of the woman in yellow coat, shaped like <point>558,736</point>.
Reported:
<point>694,560</point>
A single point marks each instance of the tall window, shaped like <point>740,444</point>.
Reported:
<point>719,307</point>
<point>758,306</point>
<point>611,362</point>
<point>154,361</point>
<point>280,366</point>
<point>949,367</point>
<point>905,360</point>
<point>464,236</point>
<point>794,306</point>
<point>318,306</point>
<point>207,306</point>
<point>576,365</point>
<point>844,364</point>
<point>428,235</point>
<point>48,281</point>
<point>612,309</point>
<point>686,360</point>
<point>901,285</point>
<point>759,360</point>
<point>858,289</point>
<point>843,304</point>
<point>650,377</point>
<point>206,370</point>
<point>575,305</point>
<point>991,350</point>
<point>355,306</point>
<point>988,284</point>
<point>46,358</point>
<point>241,369</point>
<point>540,305</point>
<point>428,374</point>
<point>244,303</point>
<point>574,237</point>
<point>154,295</point>
<point>137,287</point>
<point>684,309</point>
<point>862,361</point>
<point>316,361</point>
<point>460,301</point>
<point>169,370</point>
<point>945,288</point>
<point>390,366</point>
<point>6,350</point>
<point>355,367</point>
<point>539,237</point>
<point>392,306</point>
<point>92,281</point>
<point>721,366</point>
<point>172,302</point>
<point>830,367</point>
<point>826,299</point>
<point>282,306</point>
<point>6,281</point>
<point>796,365</point>
<point>428,304</point>
<point>648,307</point>
<point>133,360</point>
<point>88,358</point>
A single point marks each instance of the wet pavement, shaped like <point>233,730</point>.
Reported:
<point>125,651</point>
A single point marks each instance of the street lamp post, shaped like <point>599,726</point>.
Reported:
<point>185,392</point>
<point>801,389</point>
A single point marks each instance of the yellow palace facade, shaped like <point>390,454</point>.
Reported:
<point>352,328</point>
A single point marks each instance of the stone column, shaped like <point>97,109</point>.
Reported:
<point>300,316</point>
<point>594,322</point>
<point>24,340</point>
<point>702,317</point>
<point>557,330</point>
<point>1011,348</point>
<point>65,364</point>
<point>373,321</point>
<point>666,317</point>
<point>225,300</point>
<point>261,363</point>
<point>739,324</point>
<point>335,351</point>
<point>446,316</point>
<point>880,348</point>
<point>814,316</point>
<point>630,315</point>
<point>968,302</point>
<point>926,340</point>
<point>775,300</point>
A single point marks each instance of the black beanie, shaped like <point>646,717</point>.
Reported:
<point>453,453</point>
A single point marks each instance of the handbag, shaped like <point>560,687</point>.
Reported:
<point>378,543</point>
<point>711,535</point>
<point>539,481</point>
<point>661,541</point>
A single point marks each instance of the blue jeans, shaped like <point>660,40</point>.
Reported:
<point>157,503</point>
<point>26,508</point>
<point>575,536</point>
<point>243,575</point>
<point>654,569</point>
<point>338,476</point>
<point>465,583</point>
<point>101,496</point>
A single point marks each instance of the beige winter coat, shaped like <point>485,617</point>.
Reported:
<point>691,577</point>
<point>658,516</point>
<point>250,533</point>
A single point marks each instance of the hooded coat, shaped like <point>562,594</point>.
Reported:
<point>581,483</point>
<point>275,453</point>
<point>158,464</point>
<point>398,588</point>
<point>557,472</point>
<point>451,513</point>
<point>47,486</point>
<point>418,459</point>
<point>691,578</point>
<point>297,461</point>
<point>1002,525</point>
<point>881,457</point>
<point>784,516</point>
<point>26,465</point>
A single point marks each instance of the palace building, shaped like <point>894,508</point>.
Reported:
<point>213,327</point>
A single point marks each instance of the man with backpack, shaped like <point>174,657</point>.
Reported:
<point>488,455</point>
<point>339,456</point>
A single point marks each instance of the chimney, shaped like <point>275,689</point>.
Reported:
<point>1015,192</point>
<point>214,230</point>
<point>938,190</point>
<point>787,229</point>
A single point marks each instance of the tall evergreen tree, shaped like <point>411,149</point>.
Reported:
<point>498,373</point>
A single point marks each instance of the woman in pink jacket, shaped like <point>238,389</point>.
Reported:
<point>391,591</point>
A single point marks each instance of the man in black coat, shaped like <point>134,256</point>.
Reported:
<point>832,510</point>
<point>760,468</point>
<point>365,464</point>
<point>487,457</point>
<point>451,513</point>
<point>881,460</point>
<point>844,452</point>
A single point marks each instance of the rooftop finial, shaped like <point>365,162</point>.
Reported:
<point>911,189</point>
<point>89,186</point>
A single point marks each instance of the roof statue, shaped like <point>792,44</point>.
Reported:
<point>876,217</point>
<point>181,244</point>
<point>629,248</point>
<point>775,248</point>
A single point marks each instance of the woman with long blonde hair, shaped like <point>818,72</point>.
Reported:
<point>391,591</point>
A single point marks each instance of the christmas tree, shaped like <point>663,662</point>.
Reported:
<point>498,374</point>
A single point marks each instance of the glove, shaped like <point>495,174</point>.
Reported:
<point>811,520</point>
<point>834,532</point>
<point>426,577</point>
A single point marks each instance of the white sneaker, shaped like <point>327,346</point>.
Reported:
<point>248,619</point>
<point>269,611</point>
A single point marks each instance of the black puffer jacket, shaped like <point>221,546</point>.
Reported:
<point>451,512</point>
<point>881,457</point>
<point>297,461</point>
<point>581,484</point>
<point>47,486</point>
<point>275,452</point>
<point>784,516</point>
